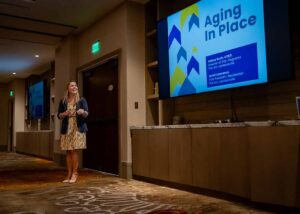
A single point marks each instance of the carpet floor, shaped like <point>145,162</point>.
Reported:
<point>30,185</point>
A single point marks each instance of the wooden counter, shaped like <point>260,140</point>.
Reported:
<point>37,143</point>
<point>258,163</point>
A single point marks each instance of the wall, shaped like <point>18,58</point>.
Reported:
<point>4,96</point>
<point>121,30</point>
<point>110,30</point>
<point>65,63</point>
<point>18,86</point>
<point>135,72</point>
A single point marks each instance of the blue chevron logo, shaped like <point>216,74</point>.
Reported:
<point>187,88</point>
<point>175,34</point>
<point>181,53</point>
<point>193,64</point>
<point>193,21</point>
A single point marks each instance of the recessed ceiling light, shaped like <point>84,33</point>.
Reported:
<point>36,56</point>
<point>14,73</point>
<point>30,1</point>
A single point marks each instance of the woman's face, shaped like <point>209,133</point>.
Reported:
<point>73,89</point>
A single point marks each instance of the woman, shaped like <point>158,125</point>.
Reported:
<point>72,111</point>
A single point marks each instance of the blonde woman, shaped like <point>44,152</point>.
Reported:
<point>72,111</point>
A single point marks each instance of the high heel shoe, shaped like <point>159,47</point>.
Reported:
<point>73,178</point>
<point>67,180</point>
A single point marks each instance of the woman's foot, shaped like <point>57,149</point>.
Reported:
<point>74,177</point>
<point>67,180</point>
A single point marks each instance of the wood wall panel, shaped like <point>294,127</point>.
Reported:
<point>248,107</point>
<point>34,144</point>
<point>234,162</point>
<point>180,156</point>
<point>37,143</point>
<point>20,142</point>
<point>206,153</point>
<point>205,116</point>
<point>258,163</point>
<point>274,164</point>
<point>44,140</point>
<point>159,148</point>
<point>140,153</point>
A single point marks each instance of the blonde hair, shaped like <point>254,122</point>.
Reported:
<point>66,95</point>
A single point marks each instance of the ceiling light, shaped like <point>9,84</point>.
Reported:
<point>14,73</point>
<point>30,1</point>
<point>36,56</point>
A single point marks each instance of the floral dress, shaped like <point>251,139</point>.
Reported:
<point>73,139</point>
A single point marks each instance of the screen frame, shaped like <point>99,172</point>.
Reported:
<point>298,106</point>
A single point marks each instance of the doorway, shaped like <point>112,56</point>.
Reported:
<point>100,88</point>
<point>10,125</point>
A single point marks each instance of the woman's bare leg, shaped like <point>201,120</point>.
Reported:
<point>75,161</point>
<point>75,164</point>
<point>69,165</point>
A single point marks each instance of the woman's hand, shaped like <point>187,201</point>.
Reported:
<point>64,114</point>
<point>82,112</point>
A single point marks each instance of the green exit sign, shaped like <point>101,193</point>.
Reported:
<point>11,93</point>
<point>96,47</point>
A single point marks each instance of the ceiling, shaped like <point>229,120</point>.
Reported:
<point>34,27</point>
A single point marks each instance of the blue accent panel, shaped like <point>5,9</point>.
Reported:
<point>175,34</point>
<point>193,64</point>
<point>181,53</point>
<point>193,21</point>
<point>233,66</point>
<point>187,88</point>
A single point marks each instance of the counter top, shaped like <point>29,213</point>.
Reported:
<point>36,131</point>
<point>225,125</point>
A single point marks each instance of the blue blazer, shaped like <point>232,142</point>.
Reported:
<point>81,121</point>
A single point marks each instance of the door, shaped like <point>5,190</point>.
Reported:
<point>100,88</point>
<point>10,125</point>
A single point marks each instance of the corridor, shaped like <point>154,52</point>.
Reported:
<point>33,185</point>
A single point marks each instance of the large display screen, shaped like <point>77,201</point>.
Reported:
<point>36,100</point>
<point>214,45</point>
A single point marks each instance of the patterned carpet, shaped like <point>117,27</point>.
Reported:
<point>32,185</point>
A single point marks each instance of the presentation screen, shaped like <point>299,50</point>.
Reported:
<point>36,100</point>
<point>215,45</point>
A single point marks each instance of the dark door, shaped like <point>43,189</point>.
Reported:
<point>100,88</point>
<point>10,125</point>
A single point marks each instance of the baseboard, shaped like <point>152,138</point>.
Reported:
<point>126,170</point>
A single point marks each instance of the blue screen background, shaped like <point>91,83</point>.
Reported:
<point>36,100</point>
<point>198,64</point>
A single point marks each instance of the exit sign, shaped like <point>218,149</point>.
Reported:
<point>96,47</point>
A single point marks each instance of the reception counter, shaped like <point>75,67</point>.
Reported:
<point>37,143</point>
<point>255,160</point>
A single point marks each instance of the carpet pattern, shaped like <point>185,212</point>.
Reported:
<point>33,186</point>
